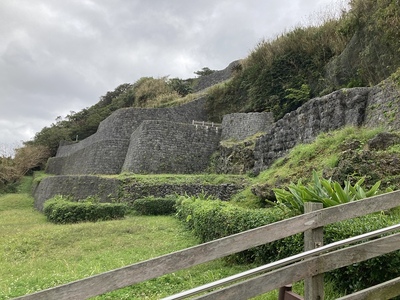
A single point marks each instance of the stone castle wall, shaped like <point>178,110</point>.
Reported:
<point>104,152</point>
<point>99,157</point>
<point>161,146</point>
<point>170,147</point>
<point>77,187</point>
<point>378,106</point>
<point>336,110</point>
<point>134,141</point>
<point>383,107</point>
<point>121,123</point>
<point>239,126</point>
<point>110,189</point>
<point>207,81</point>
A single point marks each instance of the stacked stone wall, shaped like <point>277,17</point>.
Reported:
<point>110,189</point>
<point>104,152</point>
<point>169,147</point>
<point>341,108</point>
<point>101,157</point>
<point>383,108</point>
<point>207,81</point>
<point>77,187</point>
<point>131,192</point>
<point>239,126</point>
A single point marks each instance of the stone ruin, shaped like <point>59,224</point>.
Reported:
<point>165,140</point>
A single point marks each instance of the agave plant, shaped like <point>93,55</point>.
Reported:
<point>324,191</point>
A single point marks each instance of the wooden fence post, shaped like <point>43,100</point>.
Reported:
<point>314,286</point>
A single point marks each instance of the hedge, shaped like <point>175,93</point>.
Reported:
<point>63,211</point>
<point>155,206</point>
<point>211,220</point>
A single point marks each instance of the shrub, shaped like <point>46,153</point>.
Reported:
<point>155,206</point>
<point>211,220</point>
<point>61,210</point>
<point>324,191</point>
<point>150,92</point>
<point>367,273</point>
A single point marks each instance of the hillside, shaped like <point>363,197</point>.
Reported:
<point>361,48</point>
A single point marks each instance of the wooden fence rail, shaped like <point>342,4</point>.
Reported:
<point>306,268</point>
<point>139,272</point>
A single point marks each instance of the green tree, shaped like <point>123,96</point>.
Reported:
<point>204,72</point>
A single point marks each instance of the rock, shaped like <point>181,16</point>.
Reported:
<point>383,141</point>
<point>264,191</point>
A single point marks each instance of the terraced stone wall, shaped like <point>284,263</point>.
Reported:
<point>170,147</point>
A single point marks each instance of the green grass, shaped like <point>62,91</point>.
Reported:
<point>181,178</point>
<point>36,254</point>
<point>322,153</point>
<point>303,159</point>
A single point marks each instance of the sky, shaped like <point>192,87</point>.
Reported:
<point>58,56</point>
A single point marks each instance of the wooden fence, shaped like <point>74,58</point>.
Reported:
<point>262,279</point>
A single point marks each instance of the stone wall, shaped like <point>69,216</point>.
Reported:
<point>239,126</point>
<point>169,147</point>
<point>207,81</point>
<point>104,152</point>
<point>109,189</point>
<point>78,187</point>
<point>158,146</point>
<point>383,107</point>
<point>131,192</point>
<point>100,157</point>
<point>336,110</point>
<point>378,106</point>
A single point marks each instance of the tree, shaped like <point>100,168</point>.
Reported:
<point>182,87</point>
<point>26,159</point>
<point>205,71</point>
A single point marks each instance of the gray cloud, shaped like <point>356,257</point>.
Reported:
<point>59,56</point>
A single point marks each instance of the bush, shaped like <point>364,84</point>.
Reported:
<point>155,206</point>
<point>62,211</point>
<point>211,220</point>
<point>367,273</point>
<point>325,191</point>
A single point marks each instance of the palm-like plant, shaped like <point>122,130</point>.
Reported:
<point>322,190</point>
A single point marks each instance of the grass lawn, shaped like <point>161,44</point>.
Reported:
<point>36,254</point>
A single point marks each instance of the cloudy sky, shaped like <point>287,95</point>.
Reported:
<point>58,56</point>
